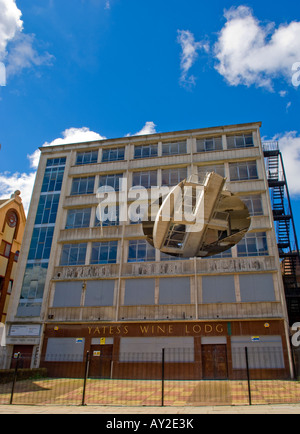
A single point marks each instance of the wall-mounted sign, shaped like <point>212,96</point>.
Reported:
<point>255,339</point>
<point>25,330</point>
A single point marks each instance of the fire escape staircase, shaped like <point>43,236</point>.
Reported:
<point>285,227</point>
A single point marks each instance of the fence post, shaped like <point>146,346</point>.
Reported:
<point>248,375</point>
<point>162,377</point>
<point>87,364</point>
<point>15,378</point>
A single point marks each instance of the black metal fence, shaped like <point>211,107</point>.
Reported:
<point>169,378</point>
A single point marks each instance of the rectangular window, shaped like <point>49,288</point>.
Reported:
<point>254,204</point>
<point>67,294</point>
<point>140,251</point>
<point>78,218</point>
<point>47,209</point>
<point>65,350</point>
<point>5,249</point>
<point>174,290</point>
<point>253,244</point>
<point>99,293</point>
<point>53,179</point>
<point>32,290</point>
<point>243,171</point>
<point>145,179</point>
<point>83,185</point>
<point>51,162</point>
<point>113,154</point>
<point>41,241</point>
<point>208,145</point>
<point>265,354</point>
<point>87,157</point>
<point>112,217</point>
<point>218,289</point>
<point>139,292</point>
<point>146,151</point>
<point>104,252</point>
<point>257,287</point>
<point>204,170</point>
<point>241,141</point>
<point>172,177</point>
<point>141,349</point>
<point>112,180</point>
<point>73,254</point>
<point>174,148</point>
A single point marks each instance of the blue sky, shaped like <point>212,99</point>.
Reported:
<point>84,69</point>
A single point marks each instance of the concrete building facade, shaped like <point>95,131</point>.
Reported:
<point>82,287</point>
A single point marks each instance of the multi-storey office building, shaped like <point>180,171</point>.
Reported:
<point>83,287</point>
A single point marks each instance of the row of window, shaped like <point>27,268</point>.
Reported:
<point>81,217</point>
<point>169,148</point>
<point>53,178</point>
<point>139,292</point>
<point>170,177</point>
<point>253,244</point>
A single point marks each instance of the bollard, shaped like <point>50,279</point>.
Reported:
<point>15,378</point>
<point>162,377</point>
<point>248,375</point>
<point>86,371</point>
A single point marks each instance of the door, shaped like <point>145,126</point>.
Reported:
<point>100,361</point>
<point>25,356</point>
<point>214,362</point>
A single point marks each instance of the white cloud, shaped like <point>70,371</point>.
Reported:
<point>10,23</point>
<point>22,54</point>
<point>148,128</point>
<point>76,135</point>
<point>17,48</point>
<point>189,55</point>
<point>70,135</point>
<point>250,53</point>
<point>9,182</point>
<point>289,144</point>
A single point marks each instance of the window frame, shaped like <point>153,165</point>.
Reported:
<point>111,248</point>
<point>67,251</point>
<point>84,154</point>
<point>217,144</point>
<point>174,148</point>
<point>83,223</point>
<point>251,239</point>
<point>153,151</point>
<point>120,154</point>
<point>233,141</point>
<point>139,246</point>
<point>247,167</point>
<point>116,176</point>
<point>80,180</point>
<point>142,175</point>
<point>171,173</point>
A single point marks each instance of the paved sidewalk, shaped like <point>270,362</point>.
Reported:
<point>115,411</point>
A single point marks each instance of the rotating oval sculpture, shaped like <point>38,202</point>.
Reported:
<point>198,220</point>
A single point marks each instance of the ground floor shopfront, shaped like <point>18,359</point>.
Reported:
<point>189,349</point>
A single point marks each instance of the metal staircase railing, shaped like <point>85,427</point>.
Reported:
<point>285,227</point>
